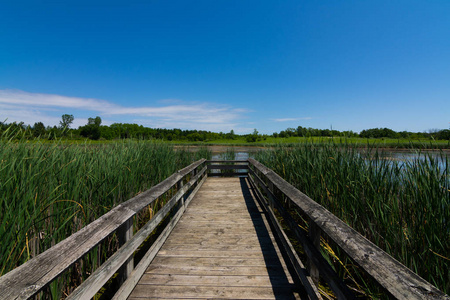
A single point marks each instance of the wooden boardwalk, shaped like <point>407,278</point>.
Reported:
<point>222,248</point>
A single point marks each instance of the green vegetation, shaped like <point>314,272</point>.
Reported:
<point>93,130</point>
<point>402,206</point>
<point>50,190</point>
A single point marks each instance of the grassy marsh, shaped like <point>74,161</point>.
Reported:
<point>51,190</point>
<point>402,206</point>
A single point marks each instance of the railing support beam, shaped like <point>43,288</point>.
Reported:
<point>314,233</point>
<point>125,233</point>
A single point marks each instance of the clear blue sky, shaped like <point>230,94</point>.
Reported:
<point>222,65</point>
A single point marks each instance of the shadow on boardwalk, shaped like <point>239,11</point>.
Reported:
<point>275,267</point>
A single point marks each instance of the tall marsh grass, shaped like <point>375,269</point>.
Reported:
<point>50,190</point>
<point>402,206</point>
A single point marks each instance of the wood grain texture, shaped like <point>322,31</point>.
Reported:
<point>221,248</point>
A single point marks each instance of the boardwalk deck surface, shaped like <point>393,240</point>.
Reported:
<point>222,248</point>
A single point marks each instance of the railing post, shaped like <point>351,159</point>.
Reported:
<point>314,233</point>
<point>125,233</point>
<point>179,187</point>
<point>271,189</point>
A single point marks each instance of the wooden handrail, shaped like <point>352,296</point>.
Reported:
<point>28,279</point>
<point>228,167</point>
<point>395,278</point>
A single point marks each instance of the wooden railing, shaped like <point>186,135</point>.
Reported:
<point>33,276</point>
<point>395,279</point>
<point>227,168</point>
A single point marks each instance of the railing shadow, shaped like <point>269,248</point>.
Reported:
<point>281,286</point>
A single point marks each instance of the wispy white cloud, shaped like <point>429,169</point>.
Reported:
<point>291,119</point>
<point>16,105</point>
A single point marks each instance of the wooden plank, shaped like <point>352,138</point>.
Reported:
<point>212,270</point>
<point>214,253</point>
<point>213,261</point>
<point>236,174</point>
<point>219,218</point>
<point>399,281</point>
<point>227,167</point>
<point>214,280</point>
<point>214,292</point>
<point>216,248</point>
<point>227,161</point>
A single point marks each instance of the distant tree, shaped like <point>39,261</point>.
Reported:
<point>379,133</point>
<point>443,134</point>
<point>283,134</point>
<point>92,129</point>
<point>291,132</point>
<point>53,132</point>
<point>251,138</point>
<point>38,129</point>
<point>95,121</point>
<point>231,135</point>
<point>325,132</point>
<point>301,131</point>
<point>66,121</point>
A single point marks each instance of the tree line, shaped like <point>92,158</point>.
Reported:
<point>94,130</point>
<point>443,134</point>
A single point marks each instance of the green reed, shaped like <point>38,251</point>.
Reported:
<point>402,206</point>
<point>50,190</point>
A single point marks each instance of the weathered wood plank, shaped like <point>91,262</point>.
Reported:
<point>227,167</point>
<point>214,280</point>
<point>218,248</point>
<point>207,252</point>
<point>212,270</point>
<point>227,161</point>
<point>213,261</point>
<point>395,278</point>
<point>214,292</point>
<point>231,174</point>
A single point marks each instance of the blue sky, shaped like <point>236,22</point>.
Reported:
<point>222,65</point>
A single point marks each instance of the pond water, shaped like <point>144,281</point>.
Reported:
<point>404,156</point>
